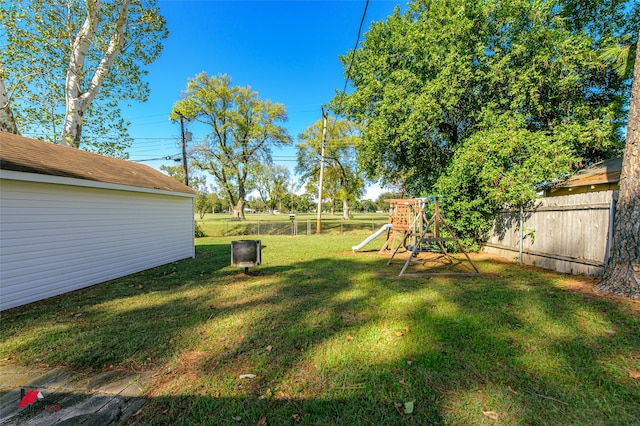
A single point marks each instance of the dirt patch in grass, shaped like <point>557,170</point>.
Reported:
<point>575,283</point>
<point>586,286</point>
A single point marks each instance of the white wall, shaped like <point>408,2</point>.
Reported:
<point>57,238</point>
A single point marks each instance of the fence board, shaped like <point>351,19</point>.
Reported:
<point>566,233</point>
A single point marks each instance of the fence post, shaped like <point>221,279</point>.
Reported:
<point>612,212</point>
<point>308,227</point>
<point>521,214</point>
<point>258,227</point>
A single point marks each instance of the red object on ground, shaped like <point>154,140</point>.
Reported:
<point>30,398</point>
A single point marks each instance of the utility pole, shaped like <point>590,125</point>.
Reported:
<point>184,151</point>
<point>324,143</point>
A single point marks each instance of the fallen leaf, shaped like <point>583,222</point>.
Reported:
<point>262,421</point>
<point>269,348</point>
<point>634,374</point>
<point>406,329</point>
<point>401,381</point>
<point>295,417</point>
<point>408,407</point>
<point>409,362</point>
<point>610,332</point>
<point>247,376</point>
<point>398,333</point>
<point>140,287</point>
<point>398,406</point>
<point>491,414</point>
<point>236,418</point>
<point>349,337</point>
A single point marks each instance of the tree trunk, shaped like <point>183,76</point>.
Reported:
<point>622,273</point>
<point>345,209</point>
<point>77,99</point>
<point>238,210</point>
<point>7,121</point>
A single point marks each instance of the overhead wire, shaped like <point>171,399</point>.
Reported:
<point>355,47</point>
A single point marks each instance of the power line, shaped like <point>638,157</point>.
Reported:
<point>355,47</point>
<point>175,158</point>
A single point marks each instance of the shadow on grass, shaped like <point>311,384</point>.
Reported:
<point>343,341</point>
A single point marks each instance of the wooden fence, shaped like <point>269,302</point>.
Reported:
<point>570,233</point>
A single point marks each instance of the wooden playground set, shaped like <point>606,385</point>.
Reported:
<point>410,230</point>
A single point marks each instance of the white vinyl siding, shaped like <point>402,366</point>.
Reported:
<point>58,238</point>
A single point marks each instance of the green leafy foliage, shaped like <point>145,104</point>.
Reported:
<point>242,129</point>
<point>272,183</point>
<point>343,179</point>
<point>498,167</point>
<point>481,102</point>
<point>37,40</point>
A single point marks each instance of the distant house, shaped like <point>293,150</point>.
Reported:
<point>601,176</point>
<point>71,219</point>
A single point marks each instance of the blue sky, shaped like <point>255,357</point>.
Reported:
<point>287,51</point>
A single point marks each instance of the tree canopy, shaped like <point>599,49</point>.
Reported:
<point>343,178</point>
<point>440,88</point>
<point>68,65</point>
<point>271,181</point>
<point>242,129</point>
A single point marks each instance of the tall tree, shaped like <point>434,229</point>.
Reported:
<point>242,130</point>
<point>70,63</point>
<point>622,273</point>
<point>343,177</point>
<point>271,181</point>
<point>432,81</point>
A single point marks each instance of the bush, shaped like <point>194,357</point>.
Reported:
<point>197,231</point>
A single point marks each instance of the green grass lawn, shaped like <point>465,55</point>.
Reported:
<point>336,338</point>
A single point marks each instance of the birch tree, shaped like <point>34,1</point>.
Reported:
<point>78,98</point>
<point>7,122</point>
<point>72,64</point>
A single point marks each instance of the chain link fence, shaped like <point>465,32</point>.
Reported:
<point>231,228</point>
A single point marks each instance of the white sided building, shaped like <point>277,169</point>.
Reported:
<point>71,219</point>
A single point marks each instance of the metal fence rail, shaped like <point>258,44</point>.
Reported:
<point>231,228</point>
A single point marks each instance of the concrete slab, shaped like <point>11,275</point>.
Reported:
<point>139,385</point>
<point>107,398</point>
